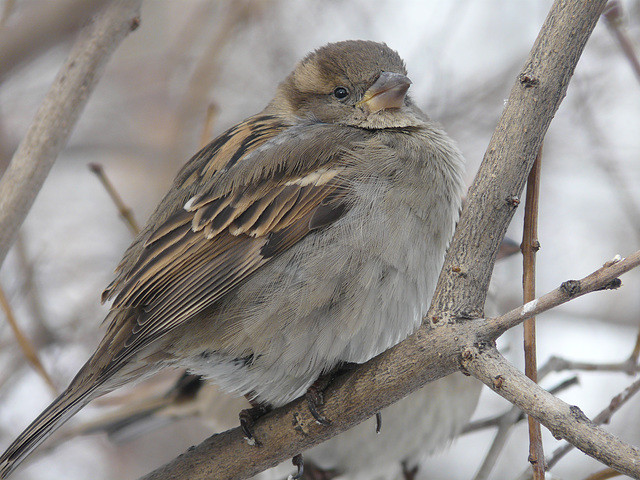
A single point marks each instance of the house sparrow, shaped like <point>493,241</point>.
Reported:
<point>308,236</point>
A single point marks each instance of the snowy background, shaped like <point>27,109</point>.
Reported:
<point>145,119</point>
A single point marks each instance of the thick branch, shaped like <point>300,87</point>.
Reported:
<point>461,291</point>
<point>563,420</point>
<point>603,417</point>
<point>498,185</point>
<point>58,114</point>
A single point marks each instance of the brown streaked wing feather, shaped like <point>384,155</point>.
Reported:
<point>209,268</point>
<point>183,263</point>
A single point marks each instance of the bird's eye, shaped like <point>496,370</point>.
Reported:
<point>340,93</point>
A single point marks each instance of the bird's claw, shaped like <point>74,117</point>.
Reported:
<point>248,418</point>
<point>315,399</point>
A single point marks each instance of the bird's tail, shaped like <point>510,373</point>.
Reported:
<point>54,416</point>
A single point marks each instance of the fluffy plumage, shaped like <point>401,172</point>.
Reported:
<point>306,236</point>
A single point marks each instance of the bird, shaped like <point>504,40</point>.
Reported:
<point>307,237</point>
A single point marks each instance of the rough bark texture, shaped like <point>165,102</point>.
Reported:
<point>563,420</point>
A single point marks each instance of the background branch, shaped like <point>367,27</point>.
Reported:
<point>46,25</point>
<point>59,113</point>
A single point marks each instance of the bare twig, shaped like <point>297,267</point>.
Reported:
<point>125,212</point>
<point>25,345</point>
<point>558,364</point>
<point>58,114</point>
<point>530,247</point>
<point>605,278</point>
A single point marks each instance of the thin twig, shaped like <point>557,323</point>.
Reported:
<point>530,247</point>
<point>125,212</point>
<point>25,345</point>
<point>604,474</point>
<point>559,364</point>
<point>614,20</point>
<point>605,278</point>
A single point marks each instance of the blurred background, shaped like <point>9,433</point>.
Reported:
<point>147,117</point>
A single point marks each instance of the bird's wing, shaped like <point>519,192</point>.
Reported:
<point>244,206</point>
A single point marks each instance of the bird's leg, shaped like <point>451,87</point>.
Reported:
<point>248,418</point>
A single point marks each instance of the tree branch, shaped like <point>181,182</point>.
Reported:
<point>563,420</point>
<point>58,114</point>
<point>530,247</point>
<point>605,278</point>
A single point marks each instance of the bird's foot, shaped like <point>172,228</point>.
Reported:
<point>248,418</point>
<point>315,393</point>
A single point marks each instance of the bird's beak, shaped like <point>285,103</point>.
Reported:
<point>387,92</point>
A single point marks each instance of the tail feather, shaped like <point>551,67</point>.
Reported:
<point>53,417</point>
